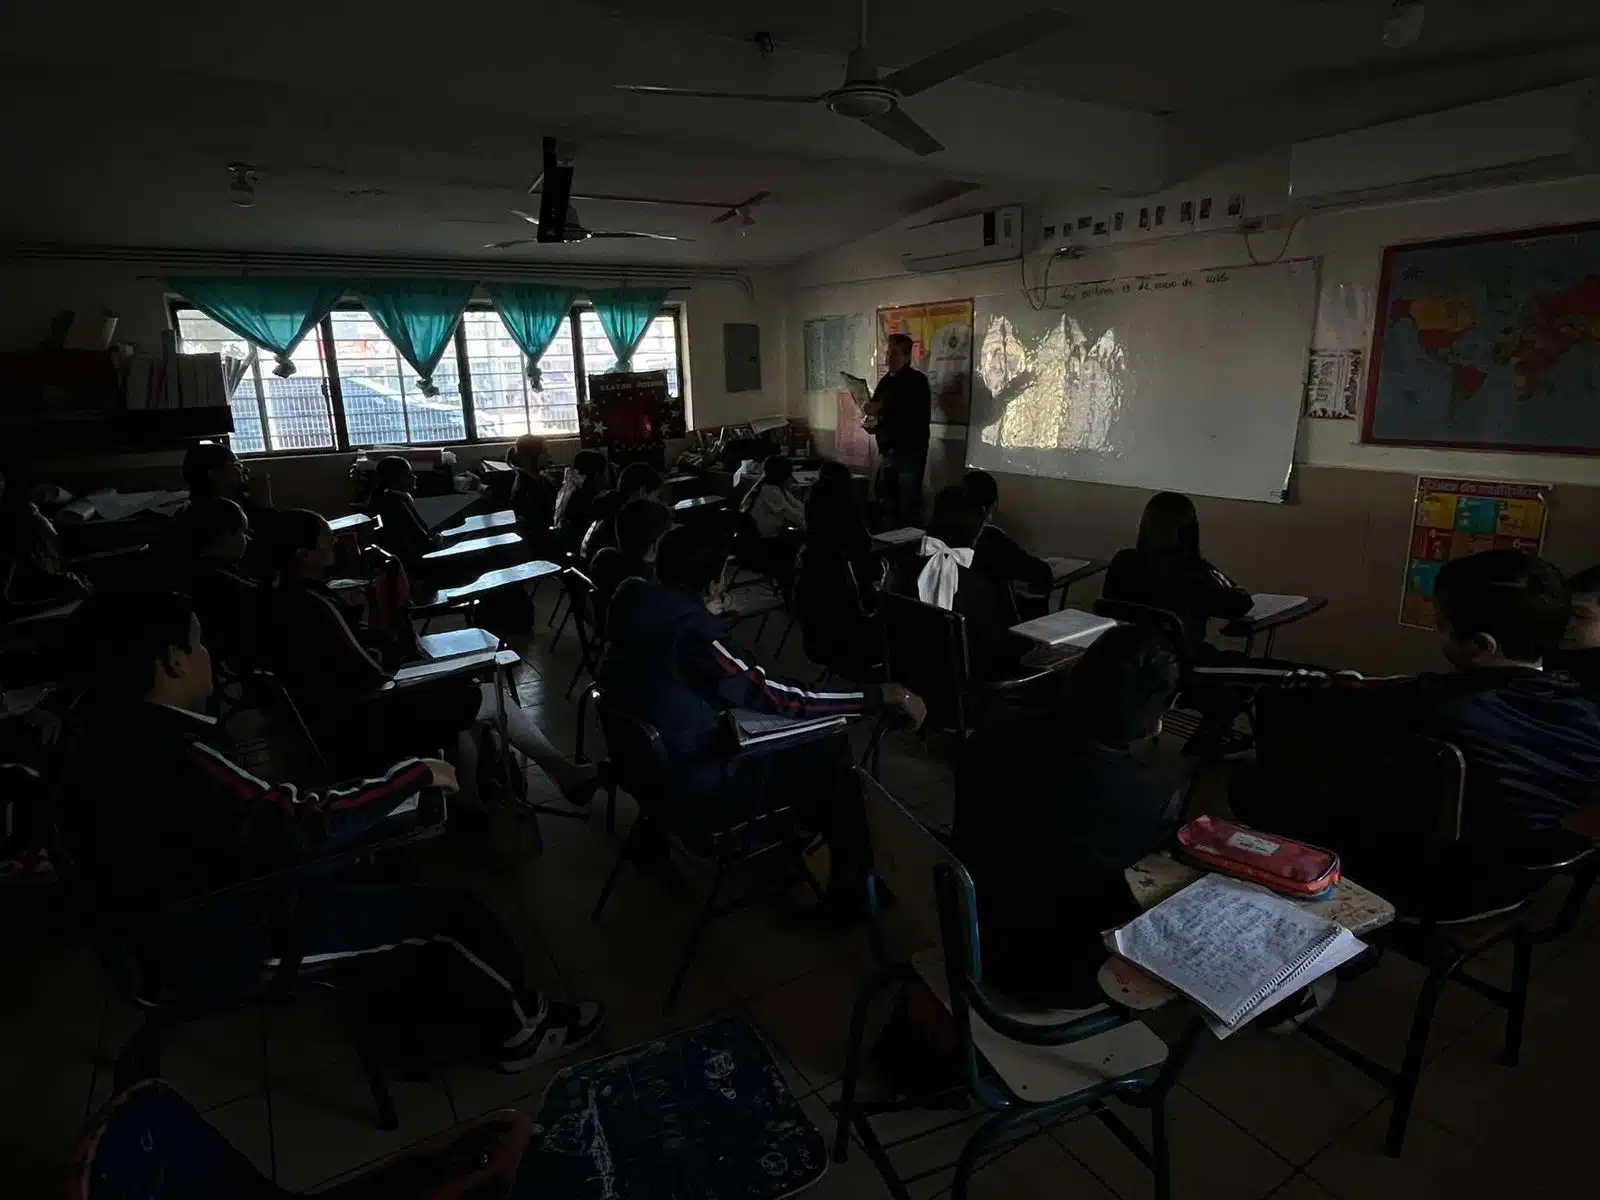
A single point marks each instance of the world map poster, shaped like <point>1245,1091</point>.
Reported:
<point>1489,343</point>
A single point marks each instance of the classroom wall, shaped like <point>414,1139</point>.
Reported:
<point>1344,533</point>
<point>32,291</point>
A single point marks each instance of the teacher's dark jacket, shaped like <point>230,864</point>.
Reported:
<point>905,410</point>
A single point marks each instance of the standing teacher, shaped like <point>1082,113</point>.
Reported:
<point>901,407</point>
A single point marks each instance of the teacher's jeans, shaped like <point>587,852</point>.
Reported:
<point>900,484</point>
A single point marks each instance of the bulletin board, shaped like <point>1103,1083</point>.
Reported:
<point>1451,518</point>
<point>630,415</point>
<point>941,336</point>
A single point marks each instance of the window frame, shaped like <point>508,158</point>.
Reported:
<point>333,390</point>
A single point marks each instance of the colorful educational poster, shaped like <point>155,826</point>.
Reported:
<point>1455,517</point>
<point>1491,343</point>
<point>941,336</point>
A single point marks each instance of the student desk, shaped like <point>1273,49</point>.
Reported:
<point>695,505</point>
<point>1156,876</point>
<point>352,523</point>
<point>1249,628</point>
<point>432,603</point>
<point>893,539</point>
<point>441,510</point>
<point>482,523</point>
<point>1064,572</point>
<point>472,546</point>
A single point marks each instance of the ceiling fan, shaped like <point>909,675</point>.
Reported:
<point>875,102</point>
<point>558,220</point>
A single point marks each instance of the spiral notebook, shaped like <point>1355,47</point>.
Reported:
<point>1233,948</point>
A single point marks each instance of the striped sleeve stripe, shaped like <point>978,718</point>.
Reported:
<point>399,781</point>
<point>244,785</point>
<point>786,696</point>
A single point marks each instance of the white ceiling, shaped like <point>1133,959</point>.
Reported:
<point>410,128</point>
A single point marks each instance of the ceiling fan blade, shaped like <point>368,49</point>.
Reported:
<point>689,93</point>
<point>538,182</point>
<point>743,206</point>
<point>511,243</point>
<point>526,216</point>
<point>655,237</point>
<point>1003,39</point>
<point>897,125</point>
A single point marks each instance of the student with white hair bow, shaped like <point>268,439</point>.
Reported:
<point>942,575</point>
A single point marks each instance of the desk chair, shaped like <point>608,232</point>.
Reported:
<point>1027,1068</point>
<point>150,1143</point>
<point>925,649</point>
<point>639,766</point>
<point>163,1009</point>
<point>836,629</point>
<point>1373,794</point>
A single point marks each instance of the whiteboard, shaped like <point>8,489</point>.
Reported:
<point>1188,382</point>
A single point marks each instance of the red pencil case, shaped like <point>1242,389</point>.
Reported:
<point>1291,868</point>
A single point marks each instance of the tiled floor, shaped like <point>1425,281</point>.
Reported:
<point>1256,1116</point>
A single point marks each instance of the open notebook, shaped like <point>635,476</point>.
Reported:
<point>1067,627</point>
<point>1270,604</point>
<point>753,728</point>
<point>456,664</point>
<point>1232,948</point>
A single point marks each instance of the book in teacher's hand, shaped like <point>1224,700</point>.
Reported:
<point>1233,948</point>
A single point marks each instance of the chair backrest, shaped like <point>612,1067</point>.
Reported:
<point>638,759</point>
<point>925,649</point>
<point>827,603</point>
<point>1320,746</point>
<point>267,735</point>
<point>905,855</point>
<point>580,594</point>
<point>150,1143</point>
<point>1162,621</point>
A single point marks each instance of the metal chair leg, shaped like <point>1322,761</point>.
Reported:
<point>787,630</point>
<point>1160,1151</point>
<point>1517,1008</point>
<point>382,1097</point>
<point>611,879</point>
<point>852,1062</point>
<point>695,932</point>
<point>1405,1089</point>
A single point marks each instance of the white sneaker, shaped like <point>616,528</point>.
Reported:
<point>563,1028</point>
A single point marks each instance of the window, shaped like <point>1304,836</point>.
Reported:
<point>349,368</point>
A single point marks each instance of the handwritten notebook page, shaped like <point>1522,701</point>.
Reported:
<point>1228,946</point>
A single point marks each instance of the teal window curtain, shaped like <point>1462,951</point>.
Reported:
<point>625,314</point>
<point>420,316</point>
<point>532,314</point>
<point>274,314</point>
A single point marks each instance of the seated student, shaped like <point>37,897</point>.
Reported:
<point>533,496</point>
<point>211,470</point>
<point>638,481</point>
<point>999,555</point>
<point>942,574</point>
<point>1165,569</point>
<point>670,663</point>
<point>836,526</point>
<point>1051,810</point>
<point>1530,738</point>
<point>194,822</point>
<point>404,533</point>
<point>1579,655</point>
<point>32,573</point>
<point>779,519</point>
<point>640,525</point>
<point>837,577</point>
<point>214,535</point>
<point>315,650</point>
<point>580,487</point>
<point>325,666</point>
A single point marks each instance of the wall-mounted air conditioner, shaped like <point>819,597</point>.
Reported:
<point>1536,135</point>
<point>969,241</point>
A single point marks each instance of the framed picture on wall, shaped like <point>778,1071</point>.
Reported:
<point>1489,343</point>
